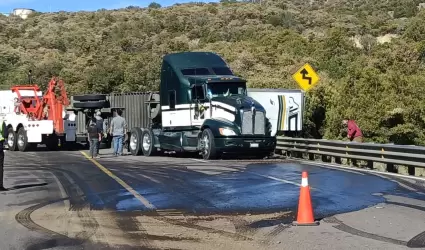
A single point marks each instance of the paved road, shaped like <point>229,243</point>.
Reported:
<point>62,200</point>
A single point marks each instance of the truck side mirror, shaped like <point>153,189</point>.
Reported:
<point>198,93</point>
<point>207,95</point>
<point>201,92</point>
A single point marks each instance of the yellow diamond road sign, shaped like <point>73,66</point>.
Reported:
<point>306,77</point>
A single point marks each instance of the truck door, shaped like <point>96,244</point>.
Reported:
<point>198,109</point>
<point>170,118</point>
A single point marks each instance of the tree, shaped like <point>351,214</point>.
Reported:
<point>154,5</point>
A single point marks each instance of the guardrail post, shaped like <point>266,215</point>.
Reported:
<point>297,154</point>
<point>324,158</point>
<point>350,161</point>
<point>337,160</point>
<point>311,156</point>
<point>391,168</point>
<point>411,170</point>
<point>369,164</point>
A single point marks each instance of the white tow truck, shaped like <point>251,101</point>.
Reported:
<point>33,118</point>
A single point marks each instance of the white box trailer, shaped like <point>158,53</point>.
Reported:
<point>284,108</point>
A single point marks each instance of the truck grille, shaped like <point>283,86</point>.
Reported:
<point>259,122</point>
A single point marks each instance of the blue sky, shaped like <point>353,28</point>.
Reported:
<point>6,6</point>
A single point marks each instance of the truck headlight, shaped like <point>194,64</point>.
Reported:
<point>226,131</point>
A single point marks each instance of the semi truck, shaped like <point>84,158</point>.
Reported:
<point>202,107</point>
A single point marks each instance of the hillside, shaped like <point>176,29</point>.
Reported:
<point>370,54</point>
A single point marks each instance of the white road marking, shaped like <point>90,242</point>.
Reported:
<point>62,191</point>
<point>199,160</point>
<point>340,167</point>
<point>332,167</point>
<point>150,178</point>
<point>261,175</point>
<point>276,179</point>
<point>405,186</point>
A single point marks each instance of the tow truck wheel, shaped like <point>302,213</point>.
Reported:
<point>11,140</point>
<point>148,143</point>
<point>22,141</point>
<point>134,143</point>
<point>208,149</point>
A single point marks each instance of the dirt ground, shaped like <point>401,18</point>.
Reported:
<point>162,229</point>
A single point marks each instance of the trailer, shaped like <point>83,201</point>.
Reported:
<point>202,107</point>
<point>285,109</point>
<point>33,118</point>
<point>86,106</point>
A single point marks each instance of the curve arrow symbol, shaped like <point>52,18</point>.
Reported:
<point>304,72</point>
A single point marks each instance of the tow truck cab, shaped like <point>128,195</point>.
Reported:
<point>203,107</point>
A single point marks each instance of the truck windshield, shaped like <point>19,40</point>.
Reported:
<point>226,89</point>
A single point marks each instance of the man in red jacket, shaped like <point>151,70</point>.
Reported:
<point>354,133</point>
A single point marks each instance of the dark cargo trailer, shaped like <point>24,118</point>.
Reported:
<point>132,104</point>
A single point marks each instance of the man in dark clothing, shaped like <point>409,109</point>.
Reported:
<point>99,124</point>
<point>94,135</point>
<point>3,136</point>
<point>354,133</point>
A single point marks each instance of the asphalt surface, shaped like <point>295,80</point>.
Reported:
<point>62,200</point>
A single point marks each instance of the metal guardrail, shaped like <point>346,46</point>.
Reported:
<point>401,155</point>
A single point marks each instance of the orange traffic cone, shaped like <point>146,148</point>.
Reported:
<point>305,209</point>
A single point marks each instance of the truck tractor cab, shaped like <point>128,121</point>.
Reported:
<point>203,107</point>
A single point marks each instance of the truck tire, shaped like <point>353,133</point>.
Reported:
<point>135,144</point>
<point>208,149</point>
<point>148,143</point>
<point>90,105</point>
<point>88,98</point>
<point>11,140</point>
<point>22,140</point>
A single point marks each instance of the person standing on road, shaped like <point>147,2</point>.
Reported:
<point>117,130</point>
<point>99,125</point>
<point>94,137</point>
<point>354,133</point>
<point>3,136</point>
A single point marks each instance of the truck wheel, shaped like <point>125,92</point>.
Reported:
<point>11,140</point>
<point>22,140</point>
<point>208,149</point>
<point>135,142</point>
<point>148,143</point>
